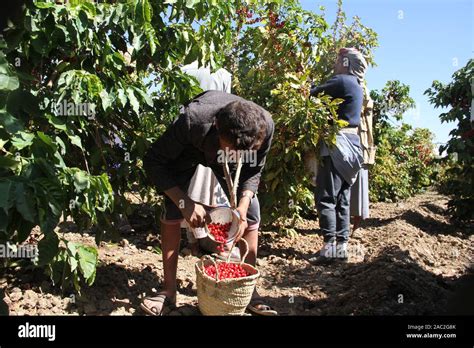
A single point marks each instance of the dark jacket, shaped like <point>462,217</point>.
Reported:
<point>192,139</point>
<point>346,87</point>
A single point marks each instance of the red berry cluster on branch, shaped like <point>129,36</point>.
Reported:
<point>275,20</point>
<point>245,14</point>
<point>226,271</point>
<point>253,21</point>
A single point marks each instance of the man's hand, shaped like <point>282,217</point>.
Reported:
<point>195,214</point>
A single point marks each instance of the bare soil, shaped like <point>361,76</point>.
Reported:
<point>408,259</point>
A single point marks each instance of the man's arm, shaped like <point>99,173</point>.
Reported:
<point>157,161</point>
<point>331,88</point>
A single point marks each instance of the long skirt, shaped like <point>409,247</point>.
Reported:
<point>360,195</point>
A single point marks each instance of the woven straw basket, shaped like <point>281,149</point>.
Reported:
<point>227,296</point>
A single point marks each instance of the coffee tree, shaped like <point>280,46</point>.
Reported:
<point>404,162</point>
<point>77,114</point>
<point>458,178</point>
<point>279,50</point>
<point>389,105</point>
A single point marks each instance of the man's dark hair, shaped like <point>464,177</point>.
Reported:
<point>242,124</point>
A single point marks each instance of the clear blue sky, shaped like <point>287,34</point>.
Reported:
<point>420,41</point>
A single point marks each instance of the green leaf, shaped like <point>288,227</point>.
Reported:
<point>47,140</point>
<point>133,101</point>
<point>8,162</point>
<point>137,42</point>
<point>157,250</point>
<point>89,9</point>
<point>274,185</point>
<point>105,98</point>
<point>43,4</point>
<point>150,35</point>
<point>72,253</point>
<point>56,267</point>
<point>117,60</point>
<point>48,248</point>
<point>8,83</point>
<point>76,140</point>
<point>342,123</point>
<point>138,12</point>
<point>143,12</point>
<point>122,98</point>
<point>56,122</point>
<point>3,221</point>
<point>25,76</point>
<point>81,181</point>
<point>147,11</point>
<point>87,262</point>
<point>22,140</point>
<point>146,97</point>
<point>71,248</point>
<point>191,3</point>
<point>23,229</point>
<point>66,78</point>
<point>48,221</point>
<point>73,263</point>
<point>10,123</point>
<point>24,202</point>
<point>40,43</point>
<point>6,198</point>
<point>82,21</point>
<point>62,146</point>
<point>185,36</point>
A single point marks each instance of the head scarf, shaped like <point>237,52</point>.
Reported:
<point>357,62</point>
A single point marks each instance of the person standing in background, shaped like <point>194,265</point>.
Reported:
<point>340,164</point>
<point>221,80</point>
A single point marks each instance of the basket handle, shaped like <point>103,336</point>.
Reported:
<point>207,257</point>
<point>245,254</point>
<point>247,249</point>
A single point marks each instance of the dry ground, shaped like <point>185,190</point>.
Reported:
<point>407,261</point>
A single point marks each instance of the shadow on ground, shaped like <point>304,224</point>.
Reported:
<point>428,224</point>
<point>390,284</point>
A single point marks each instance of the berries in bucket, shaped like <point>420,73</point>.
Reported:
<point>223,226</point>
<point>220,232</point>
